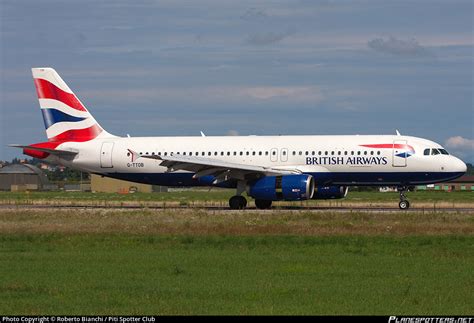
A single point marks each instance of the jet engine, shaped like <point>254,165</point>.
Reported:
<point>285,187</point>
<point>330,192</point>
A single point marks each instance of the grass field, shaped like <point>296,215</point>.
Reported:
<point>129,274</point>
<point>195,261</point>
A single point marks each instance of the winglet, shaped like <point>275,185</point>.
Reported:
<point>202,134</point>
<point>398,133</point>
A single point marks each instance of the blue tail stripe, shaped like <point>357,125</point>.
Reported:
<point>52,116</point>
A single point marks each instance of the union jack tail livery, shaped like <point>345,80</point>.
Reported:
<point>65,118</point>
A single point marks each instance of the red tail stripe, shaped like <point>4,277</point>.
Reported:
<point>399,146</point>
<point>47,90</point>
<point>78,135</point>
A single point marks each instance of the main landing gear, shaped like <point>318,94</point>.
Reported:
<point>404,204</point>
<point>237,202</point>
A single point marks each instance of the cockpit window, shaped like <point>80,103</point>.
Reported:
<point>435,151</point>
<point>443,151</point>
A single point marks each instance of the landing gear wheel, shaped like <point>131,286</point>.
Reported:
<point>237,202</point>
<point>263,204</point>
<point>404,205</point>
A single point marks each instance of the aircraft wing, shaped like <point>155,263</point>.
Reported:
<point>56,152</point>
<point>222,170</point>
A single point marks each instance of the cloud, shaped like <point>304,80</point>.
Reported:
<point>459,142</point>
<point>399,47</point>
<point>208,94</point>
<point>266,38</point>
<point>232,133</point>
<point>461,147</point>
<point>253,14</point>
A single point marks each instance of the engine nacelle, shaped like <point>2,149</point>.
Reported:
<point>330,192</point>
<point>285,187</point>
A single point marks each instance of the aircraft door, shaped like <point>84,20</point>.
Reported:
<point>284,154</point>
<point>400,154</point>
<point>106,155</point>
<point>274,155</point>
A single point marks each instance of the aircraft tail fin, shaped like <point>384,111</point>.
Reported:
<point>65,117</point>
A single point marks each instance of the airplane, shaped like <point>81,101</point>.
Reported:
<point>267,168</point>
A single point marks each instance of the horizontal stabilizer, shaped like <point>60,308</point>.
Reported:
<point>56,152</point>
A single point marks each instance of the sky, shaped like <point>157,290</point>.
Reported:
<point>172,68</point>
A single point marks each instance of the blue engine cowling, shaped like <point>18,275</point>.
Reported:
<point>285,187</point>
<point>330,192</point>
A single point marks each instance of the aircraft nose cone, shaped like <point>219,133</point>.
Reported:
<point>459,165</point>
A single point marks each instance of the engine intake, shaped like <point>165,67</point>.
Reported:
<point>330,192</point>
<point>285,187</point>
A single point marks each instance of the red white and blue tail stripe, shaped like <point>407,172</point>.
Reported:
<point>65,118</point>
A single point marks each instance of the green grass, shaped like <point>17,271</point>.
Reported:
<point>188,196</point>
<point>180,274</point>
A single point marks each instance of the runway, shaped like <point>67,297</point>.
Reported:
<point>222,209</point>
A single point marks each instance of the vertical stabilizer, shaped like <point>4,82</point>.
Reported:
<point>65,117</point>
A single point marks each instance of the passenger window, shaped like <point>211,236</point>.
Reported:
<point>378,152</point>
<point>274,153</point>
<point>300,153</point>
<point>294,153</point>
<point>266,153</point>
<point>426,152</point>
<point>284,153</point>
<point>306,153</point>
<point>241,153</point>
<point>313,153</point>
<point>247,153</point>
<point>319,153</point>
<point>326,153</point>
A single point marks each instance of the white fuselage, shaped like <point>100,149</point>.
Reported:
<point>342,160</point>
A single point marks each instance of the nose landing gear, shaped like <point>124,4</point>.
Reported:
<point>404,204</point>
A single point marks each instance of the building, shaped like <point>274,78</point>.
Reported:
<point>463,183</point>
<point>22,177</point>
<point>111,185</point>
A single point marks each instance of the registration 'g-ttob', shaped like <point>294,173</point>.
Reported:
<point>267,168</point>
